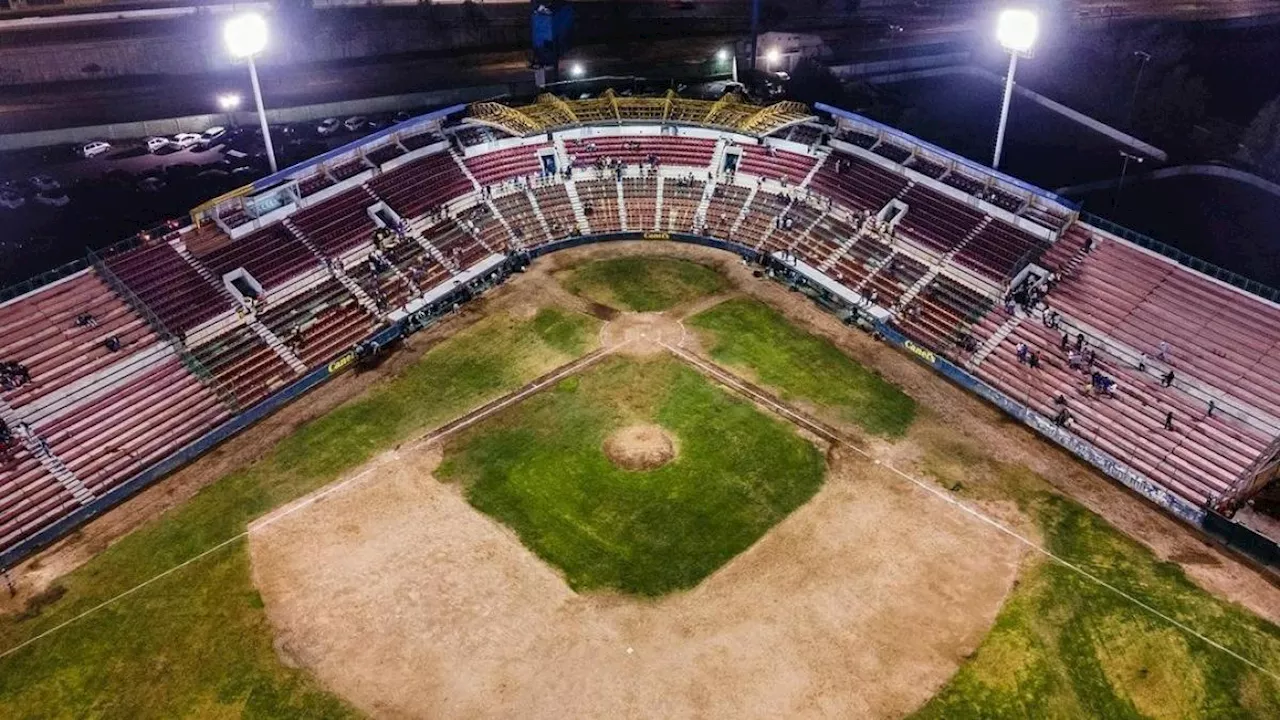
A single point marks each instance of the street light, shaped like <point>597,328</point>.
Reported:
<point>1124,169</point>
<point>723,55</point>
<point>1137,82</point>
<point>772,57</point>
<point>228,102</point>
<point>246,36</point>
<point>1017,31</point>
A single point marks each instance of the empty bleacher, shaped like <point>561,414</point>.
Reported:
<point>272,255</point>
<point>169,285</point>
<point>495,167</point>
<point>856,183</point>
<point>421,186</point>
<point>636,150</point>
<point>338,224</point>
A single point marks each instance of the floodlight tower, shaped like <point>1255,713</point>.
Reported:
<point>246,36</point>
<point>1017,31</point>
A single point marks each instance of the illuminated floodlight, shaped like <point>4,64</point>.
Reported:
<point>577,70</point>
<point>722,55</point>
<point>245,35</point>
<point>773,56</point>
<point>1017,30</point>
<point>228,101</point>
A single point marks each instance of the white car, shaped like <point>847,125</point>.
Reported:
<point>11,200</point>
<point>210,136</point>
<point>156,144</point>
<point>328,126</point>
<point>44,182</point>
<point>94,149</point>
<point>354,123</point>
<point>53,198</point>
<point>185,140</point>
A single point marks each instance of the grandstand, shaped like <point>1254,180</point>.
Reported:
<point>195,334</point>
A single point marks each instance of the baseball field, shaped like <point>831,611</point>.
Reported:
<point>636,481</point>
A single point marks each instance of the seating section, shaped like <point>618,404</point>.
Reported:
<point>320,323</point>
<point>554,203</point>
<point>121,432</point>
<point>385,152</point>
<point>942,317</point>
<point>935,221</point>
<point>314,183</point>
<point>41,332</point>
<point>641,197</point>
<point>999,250</point>
<point>723,210</point>
<point>679,151</point>
<point>600,203</point>
<point>170,286</point>
<point>338,224</point>
<point>762,214</point>
<point>788,167</point>
<point>856,183</point>
<point>495,167</point>
<point>519,213</point>
<point>31,498</point>
<point>422,186</point>
<point>244,365</point>
<point>680,200</point>
<point>272,255</point>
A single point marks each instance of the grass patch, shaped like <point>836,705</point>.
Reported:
<point>644,284</point>
<point>196,643</point>
<point>1065,647</point>
<point>749,335</point>
<point>540,468</point>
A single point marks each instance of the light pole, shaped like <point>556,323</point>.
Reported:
<point>246,36</point>
<point>1017,31</point>
<point>1137,82</point>
<point>1124,169</point>
<point>228,102</point>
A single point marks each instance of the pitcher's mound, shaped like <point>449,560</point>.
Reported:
<point>640,447</point>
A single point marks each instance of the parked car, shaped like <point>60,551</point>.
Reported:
<point>11,200</point>
<point>355,123</point>
<point>151,183</point>
<point>53,198</point>
<point>44,182</point>
<point>375,123</point>
<point>328,126</point>
<point>185,140</point>
<point>94,149</point>
<point>156,144</point>
<point>400,117</point>
<point>210,136</point>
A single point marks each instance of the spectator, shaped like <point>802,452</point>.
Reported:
<point>1079,342</point>
<point>1066,340</point>
<point>1212,405</point>
<point>1168,420</point>
<point>1022,352</point>
<point>1063,418</point>
<point>1167,380</point>
<point>1033,360</point>
<point>1163,355</point>
<point>113,344</point>
<point>86,320</point>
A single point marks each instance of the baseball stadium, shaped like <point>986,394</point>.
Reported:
<point>639,406</point>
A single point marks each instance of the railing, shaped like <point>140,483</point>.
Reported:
<point>1254,287</point>
<point>44,278</point>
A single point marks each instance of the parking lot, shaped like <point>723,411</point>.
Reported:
<point>128,188</point>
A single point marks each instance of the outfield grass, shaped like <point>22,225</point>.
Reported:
<point>644,284</point>
<point>540,468</point>
<point>751,336</point>
<point>1066,647</point>
<point>196,643</point>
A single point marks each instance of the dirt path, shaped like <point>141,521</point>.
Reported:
<point>402,598</point>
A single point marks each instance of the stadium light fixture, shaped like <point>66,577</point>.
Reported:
<point>725,55</point>
<point>577,70</point>
<point>1017,31</point>
<point>245,37</point>
<point>722,55</point>
<point>228,101</point>
<point>772,57</point>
